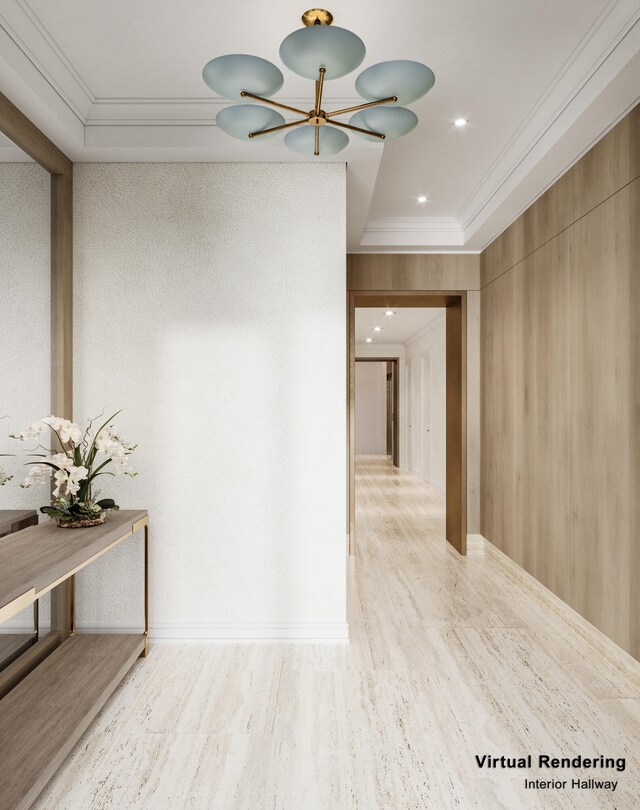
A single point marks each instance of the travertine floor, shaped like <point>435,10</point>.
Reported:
<point>448,658</point>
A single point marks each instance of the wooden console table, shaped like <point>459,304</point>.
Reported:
<point>13,645</point>
<point>12,520</point>
<point>46,713</point>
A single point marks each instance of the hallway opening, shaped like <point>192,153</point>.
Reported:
<point>422,336</point>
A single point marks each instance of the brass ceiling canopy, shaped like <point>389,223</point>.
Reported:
<point>317,16</point>
<point>319,52</point>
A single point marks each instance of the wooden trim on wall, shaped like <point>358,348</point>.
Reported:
<point>26,135</point>
<point>456,409</point>
<point>62,296</point>
<point>413,271</point>
<point>19,129</point>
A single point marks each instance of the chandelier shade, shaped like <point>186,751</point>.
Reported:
<point>240,120</point>
<point>392,122</point>
<point>319,52</point>
<point>229,75</point>
<point>303,140</point>
<point>306,50</point>
<point>403,78</point>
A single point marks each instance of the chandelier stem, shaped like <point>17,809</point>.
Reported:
<point>316,151</point>
<point>277,129</point>
<point>389,100</point>
<point>319,86</point>
<point>357,129</point>
<point>246,94</point>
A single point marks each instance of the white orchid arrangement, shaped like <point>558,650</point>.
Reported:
<point>81,458</point>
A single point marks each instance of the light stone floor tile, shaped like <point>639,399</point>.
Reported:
<point>448,658</point>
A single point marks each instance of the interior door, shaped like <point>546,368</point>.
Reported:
<point>408,400</point>
<point>416,421</point>
<point>425,368</point>
<point>389,410</point>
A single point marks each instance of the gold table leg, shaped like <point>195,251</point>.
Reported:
<point>146,591</point>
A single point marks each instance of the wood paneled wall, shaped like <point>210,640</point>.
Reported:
<point>413,271</point>
<point>560,368</point>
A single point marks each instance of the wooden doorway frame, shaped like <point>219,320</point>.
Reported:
<point>395,457</point>
<point>455,303</point>
<point>26,135</point>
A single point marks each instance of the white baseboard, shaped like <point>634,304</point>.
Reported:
<point>335,633</point>
<point>475,545</point>
<point>577,623</point>
<point>438,489</point>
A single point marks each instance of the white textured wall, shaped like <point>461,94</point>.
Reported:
<point>431,343</point>
<point>371,408</point>
<point>212,312</point>
<point>25,280</point>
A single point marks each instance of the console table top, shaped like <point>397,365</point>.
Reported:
<point>36,559</point>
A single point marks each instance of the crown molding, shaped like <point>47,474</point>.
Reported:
<point>610,43</point>
<point>24,28</point>
<point>560,127</point>
<point>412,231</point>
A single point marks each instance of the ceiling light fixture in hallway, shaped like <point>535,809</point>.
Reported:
<point>320,53</point>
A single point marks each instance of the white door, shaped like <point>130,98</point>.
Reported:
<point>425,410</point>
<point>415,398</point>
<point>408,399</point>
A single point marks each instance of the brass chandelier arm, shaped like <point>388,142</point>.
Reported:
<point>319,86</point>
<point>277,129</point>
<point>357,129</point>
<point>389,100</point>
<point>247,94</point>
<point>316,150</point>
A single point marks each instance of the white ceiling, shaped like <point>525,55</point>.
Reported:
<point>398,328</point>
<point>538,81</point>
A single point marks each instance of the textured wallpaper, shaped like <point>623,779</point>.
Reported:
<point>209,305</point>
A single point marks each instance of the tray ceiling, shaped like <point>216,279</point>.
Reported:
<point>538,82</point>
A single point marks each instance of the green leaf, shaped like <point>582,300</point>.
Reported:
<point>97,470</point>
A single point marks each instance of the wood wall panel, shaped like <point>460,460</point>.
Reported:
<point>539,422</point>
<point>609,166</point>
<point>456,395</point>
<point>473,412</point>
<point>560,360</point>
<point>497,422</point>
<point>602,483</point>
<point>413,271</point>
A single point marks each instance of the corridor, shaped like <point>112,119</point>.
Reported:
<point>449,658</point>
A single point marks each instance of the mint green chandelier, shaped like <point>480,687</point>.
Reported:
<point>320,52</point>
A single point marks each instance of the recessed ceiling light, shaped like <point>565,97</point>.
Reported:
<point>389,313</point>
<point>368,340</point>
<point>377,329</point>
<point>422,198</point>
<point>460,122</point>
